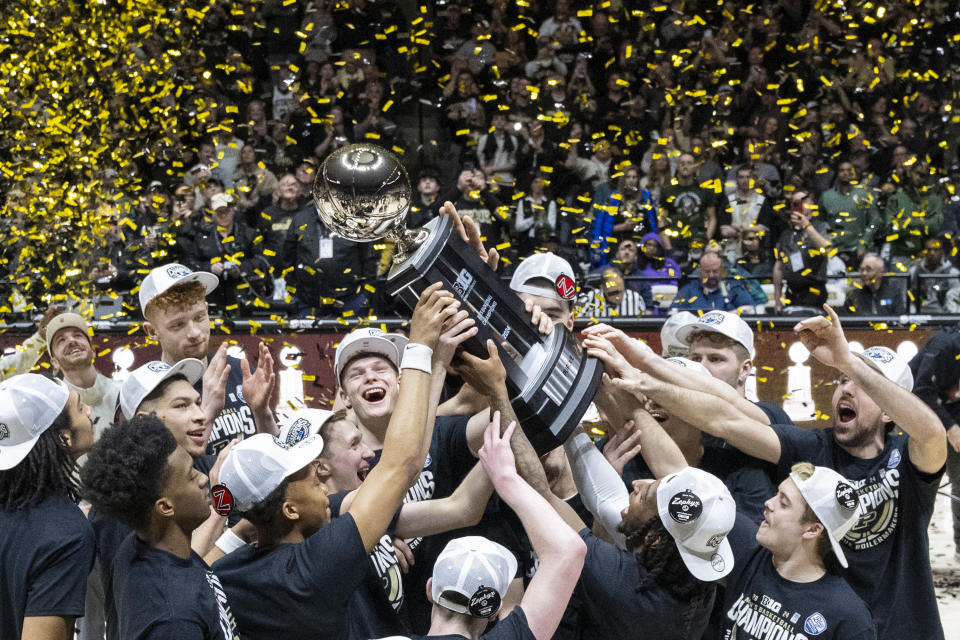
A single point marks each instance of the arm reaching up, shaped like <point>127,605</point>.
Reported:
<point>381,493</point>
<point>559,548</point>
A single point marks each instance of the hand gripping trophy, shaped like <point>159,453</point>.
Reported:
<point>362,193</point>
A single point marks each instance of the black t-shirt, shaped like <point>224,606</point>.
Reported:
<point>296,591</point>
<point>160,596</point>
<point>888,549</point>
<point>760,604</point>
<point>46,552</point>
<point>110,534</point>
<point>376,607</point>
<point>236,419</point>
<point>513,627</point>
<point>620,600</point>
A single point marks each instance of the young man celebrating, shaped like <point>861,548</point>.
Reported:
<point>173,300</point>
<point>71,353</point>
<point>162,589</point>
<point>46,544</point>
<point>896,471</point>
<point>304,566</point>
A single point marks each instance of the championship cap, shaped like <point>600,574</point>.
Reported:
<point>550,267</point>
<point>169,275</point>
<point>670,344</point>
<point>220,201</point>
<point>63,321</point>
<point>834,501</point>
<point>471,576</point>
<point>142,381</point>
<point>698,511</point>
<point>369,340</point>
<point>689,364</point>
<point>723,322</point>
<point>259,464</point>
<point>890,364</point>
<point>302,423</point>
<point>29,403</point>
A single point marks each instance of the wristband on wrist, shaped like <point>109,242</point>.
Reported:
<point>417,356</point>
<point>229,541</point>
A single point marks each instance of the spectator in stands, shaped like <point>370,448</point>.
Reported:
<point>546,63</point>
<point>536,151</point>
<point>536,217</point>
<point>426,201</point>
<point>713,291</point>
<point>929,294</point>
<point>477,52</point>
<point>72,354</point>
<point>756,260</point>
<point>254,184</point>
<point>338,133</point>
<point>594,170</point>
<point>46,544</point>
<point>746,211</point>
<point>497,156</point>
<point>620,207</point>
<point>612,298</point>
<point>231,250</point>
<point>372,121</point>
<point>27,353</point>
<point>851,213</point>
<point>274,222</point>
<point>654,261</point>
<point>875,295</point>
<point>801,257</point>
<point>913,214</point>
<point>478,202</point>
<point>689,210</point>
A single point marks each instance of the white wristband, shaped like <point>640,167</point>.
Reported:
<point>417,356</point>
<point>229,541</point>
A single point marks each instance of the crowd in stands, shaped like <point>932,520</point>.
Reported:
<point>806,146</point>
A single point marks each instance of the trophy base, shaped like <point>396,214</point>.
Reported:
<point>550,382</point>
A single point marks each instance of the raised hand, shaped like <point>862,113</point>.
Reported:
<point>469,232</point>
<point>215,384</point>
<point>540,320</point>
<point>257,387</point>
<point>622,447</point>
<point>459,328</point>
<point>633,351</point>
<point>487,376</point>
<point>496,454</point>
<point>825,340</point>
<point>433,310</point>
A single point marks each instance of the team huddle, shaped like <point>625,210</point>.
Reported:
<point>417,508</point>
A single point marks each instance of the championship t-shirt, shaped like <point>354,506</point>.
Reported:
<point>160,596</point>
<point>888,549</point>
<point>513,627</point>
<point>619,599</point>
<point>296,591</point>
<point>762,605</point>
<point>236,419</point>
<point>376,606</point>
<point>46,552</point>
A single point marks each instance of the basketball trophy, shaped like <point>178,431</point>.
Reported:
<point>362,193</point>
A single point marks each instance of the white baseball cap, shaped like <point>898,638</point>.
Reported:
<point>689,364</point>
<point>29,403</point>
<point>472,575</point>
<point>259,464</point>
<point>369,340</point>
<point>169,275</point>
<point>670,344</point>
<point>725,323</point>
<point>142,381</point>
<point>698,511</point>
<point>63,321</point>
<point>221,200</point>
<point>550,267</point>
<point>835,502</point>
<point>890,364</point>
<point>302,423</point>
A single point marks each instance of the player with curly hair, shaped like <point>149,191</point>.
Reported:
<point>138,474</point>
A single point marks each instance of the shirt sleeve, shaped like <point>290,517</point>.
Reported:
<point>23,359</point>
<point>58,583</point>
<point>743,543</point>
<point>800,445</point>
<point>513,627</point>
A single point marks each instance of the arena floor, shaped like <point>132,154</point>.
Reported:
<point>946,567</point>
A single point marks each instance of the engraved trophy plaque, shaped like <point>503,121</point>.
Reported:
<point>362,192</point>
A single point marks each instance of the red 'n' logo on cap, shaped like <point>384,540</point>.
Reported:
<point>566,287</point>
<point>222,499</point>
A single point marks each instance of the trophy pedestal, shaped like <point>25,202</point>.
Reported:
<point>549,380</point>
